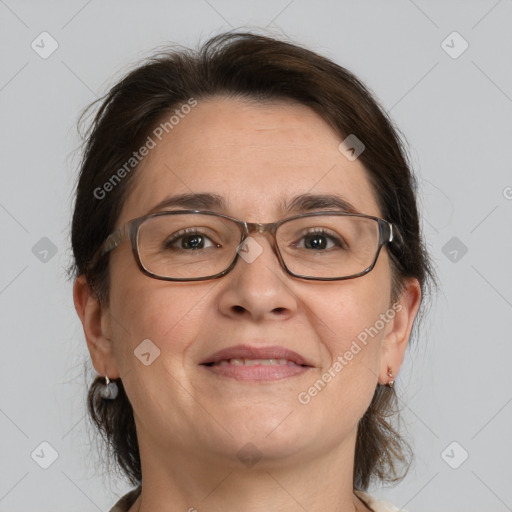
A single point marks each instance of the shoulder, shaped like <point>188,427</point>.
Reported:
<point>375,504</point>
<point>126,501</point>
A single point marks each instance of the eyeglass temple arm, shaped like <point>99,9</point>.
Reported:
<point>393,236</point>
<point>111,242</point>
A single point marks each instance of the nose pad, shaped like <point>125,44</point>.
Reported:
<point>252,248</point>
<point>257,227</point>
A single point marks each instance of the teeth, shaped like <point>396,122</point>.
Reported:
<point>254,362</point>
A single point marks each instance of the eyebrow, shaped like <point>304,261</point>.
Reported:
<point>299,204</point>
<point>202,201</point>
<point>309,202</point>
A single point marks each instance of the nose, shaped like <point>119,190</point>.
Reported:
<point>258,287</point>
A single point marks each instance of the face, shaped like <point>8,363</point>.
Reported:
<point>258,157</point>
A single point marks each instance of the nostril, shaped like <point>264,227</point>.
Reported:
<point>238,309</point>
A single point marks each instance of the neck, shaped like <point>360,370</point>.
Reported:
<point>203,482</point>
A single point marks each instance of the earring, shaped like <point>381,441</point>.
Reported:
<point>109,390</point>
<point>391,383</point>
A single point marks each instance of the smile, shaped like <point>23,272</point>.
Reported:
<point>255,362</point>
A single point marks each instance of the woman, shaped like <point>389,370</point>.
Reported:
<point>249,268</point>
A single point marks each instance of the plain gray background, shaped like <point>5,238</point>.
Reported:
<point>455,110</point>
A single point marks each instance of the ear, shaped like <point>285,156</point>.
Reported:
<point>399,330</point>
<point>96,323</point>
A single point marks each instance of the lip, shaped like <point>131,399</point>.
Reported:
<point>252,352</point>
<point>256,372</point>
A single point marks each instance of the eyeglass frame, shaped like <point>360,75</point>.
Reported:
<point>131,228</point>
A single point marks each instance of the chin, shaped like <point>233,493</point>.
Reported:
<point>271,435</point>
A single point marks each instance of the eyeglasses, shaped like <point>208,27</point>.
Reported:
<point>194,245</point>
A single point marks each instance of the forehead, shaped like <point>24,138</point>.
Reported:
<point>257,156</point>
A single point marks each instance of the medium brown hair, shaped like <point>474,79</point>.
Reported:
<point>254,67</point>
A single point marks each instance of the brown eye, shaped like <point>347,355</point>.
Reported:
<point>189,240</point>
<point>319,240</point>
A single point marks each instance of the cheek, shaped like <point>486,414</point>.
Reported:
<point>347,325</point>
<point>158,326</point>
<point>170,315</point>
<point>350,322</point>
<point>350,316</point>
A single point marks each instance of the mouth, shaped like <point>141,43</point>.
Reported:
<point>249,363</point>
